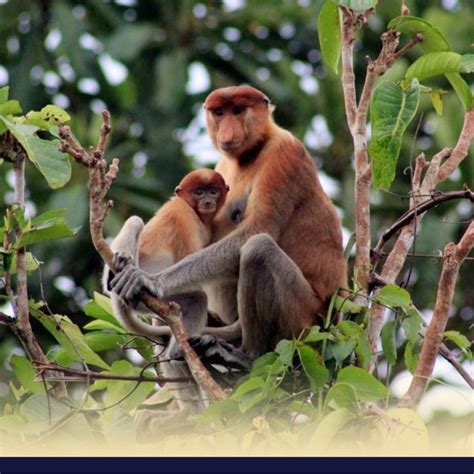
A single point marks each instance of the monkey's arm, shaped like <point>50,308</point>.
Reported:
<point>271,204</point>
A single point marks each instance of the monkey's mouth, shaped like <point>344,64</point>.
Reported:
<point>232,146</point>
<point>207,210</point>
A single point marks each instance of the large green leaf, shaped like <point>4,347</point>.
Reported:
<point>412,324</point>
<point>394,296</point>
<point>286,349</point>
<point>329,32</point>
<point>53,165</point>
<point>434,64</point>
<point>392,109</point>
<point>366,385</point>
<point>434,41</point>
<point>389,346</point>
<point>341,395</point>
<point>69,337</point>
<point>100,308</point>
<point>315,371</point>
<point>357,5</point>
<point>52,229</point>
<point>128,394</point>
<point>26,374</point>
<point>44,154</point>
<point>411,355</point>
<point>10,107</point>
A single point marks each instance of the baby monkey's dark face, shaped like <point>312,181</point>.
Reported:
<point>207,199</point>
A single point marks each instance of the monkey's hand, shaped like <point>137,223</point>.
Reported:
<point>129,281</point>
<point>120,260</point>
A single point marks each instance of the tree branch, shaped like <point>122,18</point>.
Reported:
<point>416,211</point>
<point>21,325</point>
<point>101,177</point>
<point>90,375</point>
<point>396,259</point>
<point>453,258</point>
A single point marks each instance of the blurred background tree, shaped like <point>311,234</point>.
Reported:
<point>152,63</point>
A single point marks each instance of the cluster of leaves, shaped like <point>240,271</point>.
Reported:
<point>394,104</point>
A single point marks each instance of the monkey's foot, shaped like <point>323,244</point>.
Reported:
<point>217,351</point>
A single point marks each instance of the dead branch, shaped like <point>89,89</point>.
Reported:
<point>453,258</point>
<point>101,177</point>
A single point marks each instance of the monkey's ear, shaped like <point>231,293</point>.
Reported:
<point>177,190</point>
<point>227,187</point>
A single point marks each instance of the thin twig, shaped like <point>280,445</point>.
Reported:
<point>88,374</point>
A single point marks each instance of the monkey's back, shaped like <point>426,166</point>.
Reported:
<point>174,232</point>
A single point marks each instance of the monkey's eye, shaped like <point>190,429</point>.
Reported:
<point>237,110</point>
<point>199,192</point>
<point>214,192</point>
<point>218,112</point>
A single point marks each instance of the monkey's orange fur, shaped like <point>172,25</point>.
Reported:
<point>285,198</point>
<point>178,229</point>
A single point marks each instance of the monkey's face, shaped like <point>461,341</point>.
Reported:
<point>206,199</point>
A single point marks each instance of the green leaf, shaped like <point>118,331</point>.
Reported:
<point>433,39</point>
<point>329,427</point>
<point>392,109</point>
<point>263,364</point>
<point>44,410</point>
<point>394,296</point>
<point>51,114</point>
<point>249,385</point>
<point>10,107</point>
<point>363,351</point>
<point>462,89</point>
<point>100,308</point>
<point>286,350</point>
<point>437,102</point>
<point>131,394</point>
<point>389,345</point>
<point>329,32</point>
<point>411,355</point>
<point>434,64</point>
<point>341,350</point>
<point>367,387</point>
<point>412,325</point>
<point>315,371</point>
<point>101,341</point>
<point>315,335</point>
<point>350,329</point>
<point>357,5</point>
<point>26,374</point>
<point>32,264</point>
<point>56,228</point>
<point>53,164</point>
<point>69,337</point>
<point>467,62</point>
<point>460,340</point>
<point>4,94</point>
<point>433,42</point>
<point>99,325</point>
<point>48,216</point>
<point>347,306</point>
<point>341,395</point>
